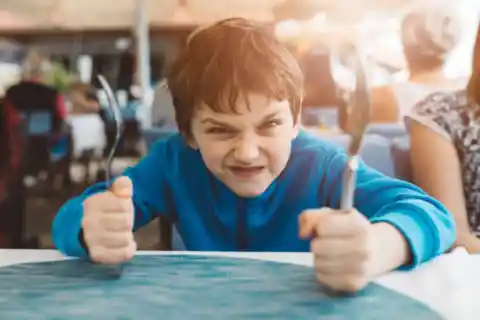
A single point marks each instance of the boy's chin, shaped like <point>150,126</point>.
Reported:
<point>249,191</point>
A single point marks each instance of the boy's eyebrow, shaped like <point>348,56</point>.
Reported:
<point>220,123</point>
<point>213,121</point>
<point>271,115</point>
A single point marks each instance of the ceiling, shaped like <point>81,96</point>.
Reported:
<point>112,14</point>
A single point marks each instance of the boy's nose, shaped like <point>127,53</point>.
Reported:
<point>246,151</point>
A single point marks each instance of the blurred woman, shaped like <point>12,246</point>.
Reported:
<point>88,127</point>
<point>445,152</point>
<point>428,34</point>
<point>32,94</point>
<point>83,99</point>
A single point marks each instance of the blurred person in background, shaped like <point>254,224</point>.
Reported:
<point>32,94</point>
<point>85,119</point>
<point>429,33</point>
<point>83,99</point>
<point>445,152</point>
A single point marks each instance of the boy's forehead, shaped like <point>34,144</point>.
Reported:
<point>257,107</point>
<point>251,104</point>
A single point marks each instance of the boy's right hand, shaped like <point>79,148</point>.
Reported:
<point>108,224</point>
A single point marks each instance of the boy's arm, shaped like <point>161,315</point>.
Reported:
<point>150,198</point>
<point>425,227</point>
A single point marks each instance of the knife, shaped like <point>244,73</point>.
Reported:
<point>358,121</point>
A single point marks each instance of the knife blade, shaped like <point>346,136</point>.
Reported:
<point>358,122</point>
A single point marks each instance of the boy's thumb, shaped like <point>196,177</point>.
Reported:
<point>122,187</point>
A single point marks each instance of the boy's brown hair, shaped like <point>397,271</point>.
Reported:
<point>232,58</point>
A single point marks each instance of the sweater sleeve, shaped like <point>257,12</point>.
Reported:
<point>150,198</point>
<point>424,222</point>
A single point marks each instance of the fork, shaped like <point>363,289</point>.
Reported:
<point>113,270</point>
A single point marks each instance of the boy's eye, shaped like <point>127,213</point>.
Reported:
<point>218,130</point>
<point>271,124</point>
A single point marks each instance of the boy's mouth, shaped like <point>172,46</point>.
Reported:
<point>247,171</point>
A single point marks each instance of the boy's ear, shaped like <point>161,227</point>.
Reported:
<point>297,125</point>
<point>191,142</point>
<point>296,130</point>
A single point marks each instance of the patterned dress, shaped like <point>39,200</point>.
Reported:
<point>453,116</point>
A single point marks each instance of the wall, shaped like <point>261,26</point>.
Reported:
<point>121,13</point>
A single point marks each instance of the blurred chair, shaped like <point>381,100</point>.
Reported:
<point>89,140</point>
<point>401,156</point>
<point>88,133</point>
<point>388,130</point>
<point>12,193</point>
<point>151,135</point>
<point>12,217</point>
<point>41,150</point>
<point>177,242</point>
<point>128,145</point>
<point>375,151</point>
<point>44,149</point>
<point>327,117</point>
<point>169,237</point>
<point>38,122</point>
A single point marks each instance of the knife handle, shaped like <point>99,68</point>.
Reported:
<point>348,184</point>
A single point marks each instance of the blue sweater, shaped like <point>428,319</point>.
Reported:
<point>173,181</point>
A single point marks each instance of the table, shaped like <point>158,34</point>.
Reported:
<point>450,284</point>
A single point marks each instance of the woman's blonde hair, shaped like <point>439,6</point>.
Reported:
<point>35,65</point>
<point>429,32</point>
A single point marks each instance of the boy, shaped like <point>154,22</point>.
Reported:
<point>240,176</point>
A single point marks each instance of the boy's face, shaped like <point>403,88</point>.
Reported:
<point>248,150</point>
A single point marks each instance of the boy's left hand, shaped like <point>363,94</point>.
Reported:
<point>343,246</point>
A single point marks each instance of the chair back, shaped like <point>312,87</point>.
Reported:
<point>388,130</point>
<point>154,134</point>
<point>401,156</point>
<point>375,151</point>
